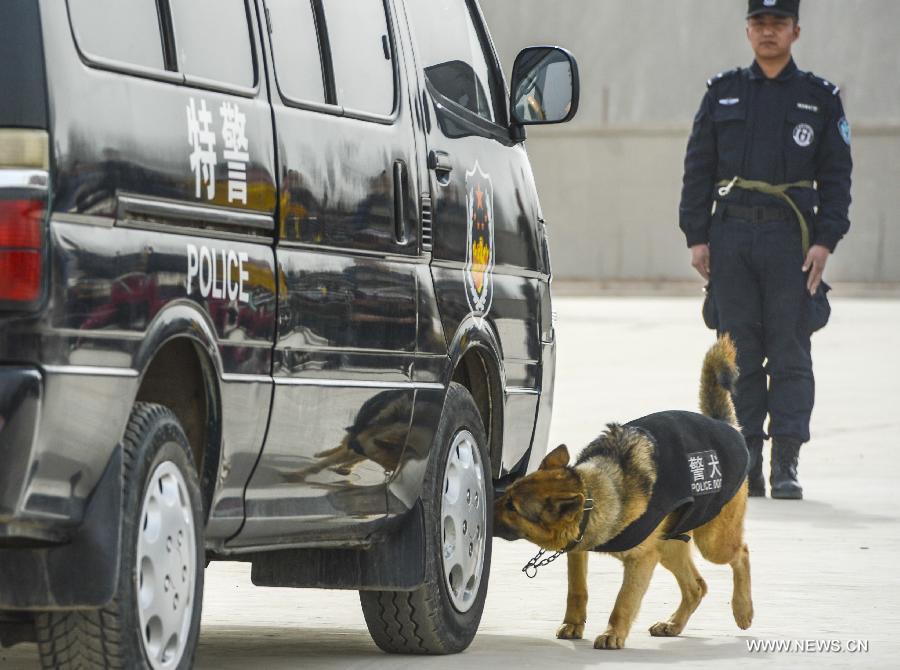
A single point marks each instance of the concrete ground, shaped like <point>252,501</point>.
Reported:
<point>824,569</point>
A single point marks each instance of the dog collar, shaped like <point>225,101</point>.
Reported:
<point>539,561</point>
<point>582,527</point>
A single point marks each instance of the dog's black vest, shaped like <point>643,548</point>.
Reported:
<point>701,463</point>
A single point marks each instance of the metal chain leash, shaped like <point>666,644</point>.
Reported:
<point>536,562</point>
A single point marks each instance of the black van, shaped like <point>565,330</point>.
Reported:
<point>275,288</point>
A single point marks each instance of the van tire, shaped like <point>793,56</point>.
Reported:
<point>111,636</point>
<point>425,621</point>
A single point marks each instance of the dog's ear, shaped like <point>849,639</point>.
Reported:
<point>566,504</point>
<point>558,458</point>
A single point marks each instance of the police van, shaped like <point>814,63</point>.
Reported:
<point>274,288</point>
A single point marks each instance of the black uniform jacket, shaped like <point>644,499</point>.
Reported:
<point>782,130</point>
<point>701,463</point>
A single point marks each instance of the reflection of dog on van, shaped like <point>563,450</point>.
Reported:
<point>377,434</point>
<point>639,492</point>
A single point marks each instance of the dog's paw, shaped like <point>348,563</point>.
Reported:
<point>609,640</point>
<point>743,613</point>
<point>665,629</point>
<point>570,631</point>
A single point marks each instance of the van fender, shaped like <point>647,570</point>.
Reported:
<point>180,318</point>
<point>405,486</point>
<point>476,333</point>
<point>183,320</point>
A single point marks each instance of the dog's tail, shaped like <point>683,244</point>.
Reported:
<point>717,380</point>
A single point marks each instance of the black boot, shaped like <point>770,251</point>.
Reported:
<point>755,479</point>
<point>785,453</point>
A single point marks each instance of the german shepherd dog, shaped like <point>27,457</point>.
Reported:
<point>621,471</point>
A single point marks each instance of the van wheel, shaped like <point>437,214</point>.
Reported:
<point>153,621</point>
<point>442,615</point>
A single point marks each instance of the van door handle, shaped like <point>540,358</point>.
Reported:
<point>400,202</point>
<point>440,162</point>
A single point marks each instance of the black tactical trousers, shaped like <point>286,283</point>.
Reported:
<point>760,292</point>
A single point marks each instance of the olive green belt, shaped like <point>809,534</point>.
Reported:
<point>777,190</point>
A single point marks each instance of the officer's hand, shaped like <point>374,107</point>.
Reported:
<point>815,266</point>
<point>700,259</point>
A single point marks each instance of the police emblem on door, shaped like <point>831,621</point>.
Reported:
<point>478,275</point>
<point>804,134</point>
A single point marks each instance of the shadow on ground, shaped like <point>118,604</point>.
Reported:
<point>276,648</point>
<point>818,514</point>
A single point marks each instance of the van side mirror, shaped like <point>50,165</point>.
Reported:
<point>545,86</point>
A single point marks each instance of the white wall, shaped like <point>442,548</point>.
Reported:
<point>610,181</point>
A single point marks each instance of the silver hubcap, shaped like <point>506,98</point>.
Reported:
<point>166,567</point>
<point>463,521</point>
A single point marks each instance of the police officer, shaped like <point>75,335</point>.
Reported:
<point>764,203</point>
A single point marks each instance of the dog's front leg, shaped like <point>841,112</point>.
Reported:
<point>638,571</point>
<point>576,602</point>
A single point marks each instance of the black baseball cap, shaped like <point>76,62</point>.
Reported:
<point>777,7</point>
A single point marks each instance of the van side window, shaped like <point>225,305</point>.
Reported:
<point>361,55</point>
<point>298,64</point>
<point>212,40</point>
<point>125,31</point>
<point>453,56</point>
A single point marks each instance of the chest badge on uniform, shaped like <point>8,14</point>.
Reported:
<point>480,252</point>
<point>804,134</point>
<point>728,102</point>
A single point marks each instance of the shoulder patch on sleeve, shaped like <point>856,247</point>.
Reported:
<point>727,74</point>
<point>844,128</point>
<point>834,89</point>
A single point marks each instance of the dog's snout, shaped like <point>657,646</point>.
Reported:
<point>503,529</point>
